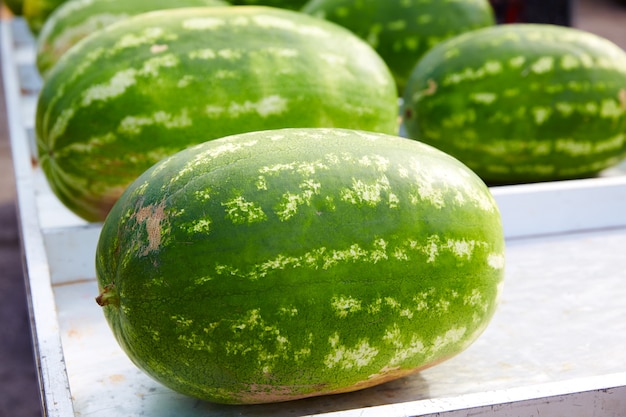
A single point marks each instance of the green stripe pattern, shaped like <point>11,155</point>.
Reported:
<point>277,265</point>
<point>522,102</point>
<point>153,84</point>
<point>401,31</point>
<point>76,19</point>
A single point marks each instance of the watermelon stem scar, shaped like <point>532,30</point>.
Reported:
<point>108,296</point>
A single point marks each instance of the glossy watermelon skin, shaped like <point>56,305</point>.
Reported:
<point>402,31</point>
<point>36,12</point>
<point>156,83</point>
<point>76,19</point>
<point>522,102</point>
<point>276,265</point>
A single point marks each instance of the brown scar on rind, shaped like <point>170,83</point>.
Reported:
<point>152,216</point>
<point>431,89</point>
<point>157,48</point>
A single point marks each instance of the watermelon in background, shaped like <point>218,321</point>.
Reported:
<point>402,31</point>
<point>37,11</point>
<point>522,102</point>
<point>75,19</point>
<point>277,265</point>
<point>153,84</point>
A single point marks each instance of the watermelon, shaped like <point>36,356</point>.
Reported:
<point>276,265</point>
<point>153,84</point>
<point>36,12</point>
<point>522,102</point>
<point>402,31</point>
<point>75,19</point>
<point>15,6</point>
<point>284,4</point>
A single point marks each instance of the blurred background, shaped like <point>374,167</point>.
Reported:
<point>19,391</point>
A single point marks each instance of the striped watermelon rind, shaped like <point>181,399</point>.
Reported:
<point>76,19</point>
<point>153,84</point>
<point>276,265</point>
<point>522,102</point>
<point>402,31</point>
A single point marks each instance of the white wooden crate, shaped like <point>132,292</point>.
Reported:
<point>554,348</point>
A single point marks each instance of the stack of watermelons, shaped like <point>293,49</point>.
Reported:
<point>502,144</point>
<point>267,234</point>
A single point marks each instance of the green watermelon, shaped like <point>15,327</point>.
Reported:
<point>75,19</point>
<point>522,102</point>
<point>36,12</point>
<point>153,84</point>
<point>402,31</point>
<point>276,265</point>
<point>15,6</point>
<point>284,4</point>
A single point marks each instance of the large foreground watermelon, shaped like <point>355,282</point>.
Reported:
<point>76,19</point>
<point>522,102</point>
<point>153,84</point>
<point>276,265</point>
<point>402,31</point>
